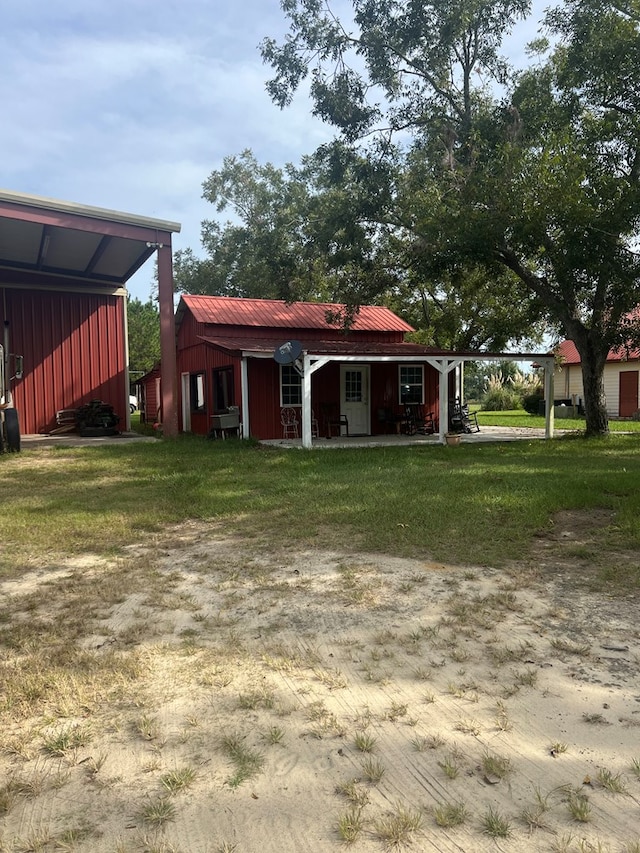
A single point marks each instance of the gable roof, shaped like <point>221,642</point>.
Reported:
<point>276,313</point>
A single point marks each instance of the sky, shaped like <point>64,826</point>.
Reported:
<point>131,104</point>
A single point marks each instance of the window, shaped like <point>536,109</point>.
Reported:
<point>411,384</point>
<point>196,381</point>
<point>290,386</point>
<point>223,389</point>
<point>353,386</point>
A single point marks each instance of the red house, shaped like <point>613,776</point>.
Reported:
<point>358,380</point>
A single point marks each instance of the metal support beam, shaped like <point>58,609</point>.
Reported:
<point>168,369</point>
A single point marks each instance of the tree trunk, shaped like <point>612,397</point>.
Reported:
<point>593,362</point>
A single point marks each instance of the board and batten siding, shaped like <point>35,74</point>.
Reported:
<point>568,383</point>
<point>73,346</point>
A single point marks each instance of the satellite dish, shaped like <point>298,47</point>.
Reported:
<point>288,352</point>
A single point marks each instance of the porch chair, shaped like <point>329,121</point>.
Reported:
<point>387,419</point>
<point>289,421</point>
<point>331,417</point>
<point>418,420</point>
<point>460,418</point>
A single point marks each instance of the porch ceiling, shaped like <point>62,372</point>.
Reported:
<point>43,239</point>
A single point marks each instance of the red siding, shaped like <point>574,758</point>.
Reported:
<point>74,352</point>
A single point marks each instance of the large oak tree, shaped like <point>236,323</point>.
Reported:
<point>536,174</point>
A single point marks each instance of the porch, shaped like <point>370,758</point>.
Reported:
<point>487,434</point>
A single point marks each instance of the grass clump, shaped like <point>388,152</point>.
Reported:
<point>579,807</point>
<point>157,812</point>
<point>373,770</point>
<point>496,825</point>
<point>178,780</point>
<point>364,742</point>
<point>450,814</point>
<point>350,825</point>
<point>613,782</point>
<point>247,762</point>
<point>397,827</point>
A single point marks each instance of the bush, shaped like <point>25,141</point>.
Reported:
<point>506,393</point>
<point>531,402</point>
<point>501,399</point>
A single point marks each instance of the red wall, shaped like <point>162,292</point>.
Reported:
<point>74,351</point>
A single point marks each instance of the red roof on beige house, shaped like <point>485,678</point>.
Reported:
<point>570,355</point>
<point>276,313</point>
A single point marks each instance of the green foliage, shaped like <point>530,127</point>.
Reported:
<point>506,391</point>
<point>143,319</point>
<point>531,402</point>
<point>539,188</point>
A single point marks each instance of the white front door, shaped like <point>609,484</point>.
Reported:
<point>354,397</point>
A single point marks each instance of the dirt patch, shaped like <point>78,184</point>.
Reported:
<point>204,694</point>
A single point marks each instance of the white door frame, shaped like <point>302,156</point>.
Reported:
<point>365,404</point>
<point>186,402</point>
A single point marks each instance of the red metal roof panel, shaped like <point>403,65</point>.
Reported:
<point>276,313</point>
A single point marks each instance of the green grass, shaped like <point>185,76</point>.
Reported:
<point>481,504</point>
<point>520,418</point>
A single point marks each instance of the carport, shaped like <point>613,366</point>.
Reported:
<point>63,274</point>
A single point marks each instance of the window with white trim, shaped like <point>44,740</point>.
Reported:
<point>411,378</point>
<point>290,386</point>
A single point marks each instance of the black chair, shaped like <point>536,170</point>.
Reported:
<point>331,418</point>
<point>461,419</point>
<point>418,420</point>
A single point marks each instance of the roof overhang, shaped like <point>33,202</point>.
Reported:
<point>48,241</point>
<point>364,351</point>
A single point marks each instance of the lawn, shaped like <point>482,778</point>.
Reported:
<point>520,418</point>
<point>479,504</point>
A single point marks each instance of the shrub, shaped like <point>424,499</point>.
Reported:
<point>499,395</point>
<point>531,402</point>
<point>505,393</point>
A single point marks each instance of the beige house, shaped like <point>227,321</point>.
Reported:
<point>621,379</point>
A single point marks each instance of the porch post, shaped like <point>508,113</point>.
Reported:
<point>168,369</point>
<point>244,393</point>
<point>306,404</point>
<point>443,396</point>
<point>548,398</point>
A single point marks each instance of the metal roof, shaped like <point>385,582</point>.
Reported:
<point>570,355</point>
<point>43,239</point>
<point>276,313</point>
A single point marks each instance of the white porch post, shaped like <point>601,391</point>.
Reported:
<point>244,391</point>
<point>548,398</point>
<point>306,403</point>
<point>444,366</point>
<point>443,393</point>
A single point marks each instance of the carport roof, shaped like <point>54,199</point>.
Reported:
<point>43,239</point>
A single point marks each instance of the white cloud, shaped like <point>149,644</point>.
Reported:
<point>130,104</point>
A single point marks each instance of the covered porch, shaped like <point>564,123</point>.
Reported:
<point>447,365</point>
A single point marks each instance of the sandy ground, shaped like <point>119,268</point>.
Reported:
<point>279,687</point>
